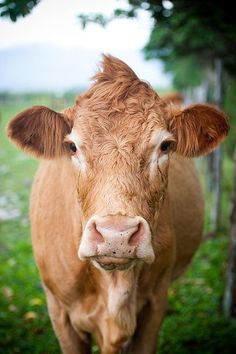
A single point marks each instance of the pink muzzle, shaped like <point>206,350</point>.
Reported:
<point>116,242</point>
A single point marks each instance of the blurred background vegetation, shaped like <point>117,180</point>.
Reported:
<point>197,43</point>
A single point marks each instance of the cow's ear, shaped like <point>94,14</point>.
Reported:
<point>40,131</point>
<point>198,129</point>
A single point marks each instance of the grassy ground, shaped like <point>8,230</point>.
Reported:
<point>194,323</point>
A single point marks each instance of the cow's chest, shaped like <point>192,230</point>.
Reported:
<point>109,309</point>
<point>92,315</point>
<point>84,313</point>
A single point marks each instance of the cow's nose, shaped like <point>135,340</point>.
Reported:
<point>126,232</point>
<point>116,239</point>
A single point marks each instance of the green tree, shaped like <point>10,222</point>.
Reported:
<point>13,9</point>
<point>183,28</point>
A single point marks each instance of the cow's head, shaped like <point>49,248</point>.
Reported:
<point>119,137</point>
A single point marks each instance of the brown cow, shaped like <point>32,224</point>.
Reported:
<point>109,232</point>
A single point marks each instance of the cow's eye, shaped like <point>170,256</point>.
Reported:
<point>166,146</point>
<point>73,148</point>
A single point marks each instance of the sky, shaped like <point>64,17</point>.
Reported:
<point>53,31</point>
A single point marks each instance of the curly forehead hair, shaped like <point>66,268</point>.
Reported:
<point>116,82</point>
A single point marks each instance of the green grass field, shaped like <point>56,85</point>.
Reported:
<point>194,323</point>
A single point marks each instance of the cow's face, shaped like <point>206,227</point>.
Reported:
<point>121,161</point>
<point>120,152</point>
<point>119,137</point>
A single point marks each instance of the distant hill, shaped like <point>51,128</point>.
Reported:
<point>48,68</point>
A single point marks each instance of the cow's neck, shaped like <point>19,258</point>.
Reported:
<point>119,295</point>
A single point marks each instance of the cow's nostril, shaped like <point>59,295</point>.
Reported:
<point>96,234</point>
<point>135,237</point>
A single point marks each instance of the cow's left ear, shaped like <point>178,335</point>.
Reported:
<point>40,131</point>
<point>198,129</point>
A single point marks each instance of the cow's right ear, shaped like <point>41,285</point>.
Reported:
<point>40,131</point>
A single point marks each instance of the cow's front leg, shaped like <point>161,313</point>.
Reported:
<point>70,341</point>
<point>145,337</point>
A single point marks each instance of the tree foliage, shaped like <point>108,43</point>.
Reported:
<point>206,30</point>
<point>185,33</point>
<point>13,9</point>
